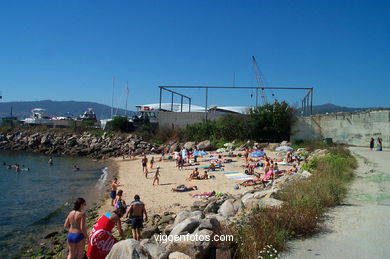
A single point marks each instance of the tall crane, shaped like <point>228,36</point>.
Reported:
<point>259,79</point>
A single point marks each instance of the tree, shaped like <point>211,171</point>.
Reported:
<point>119,123</point>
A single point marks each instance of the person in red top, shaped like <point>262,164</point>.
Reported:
<point>101,239</point>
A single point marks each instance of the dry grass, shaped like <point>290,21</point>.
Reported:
<point>305,204</point>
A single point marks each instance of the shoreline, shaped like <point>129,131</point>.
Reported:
<point>53,241</point>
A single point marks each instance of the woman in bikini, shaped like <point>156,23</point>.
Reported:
<point>75,224</point>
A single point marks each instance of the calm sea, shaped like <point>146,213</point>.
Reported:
<point>35,202</point>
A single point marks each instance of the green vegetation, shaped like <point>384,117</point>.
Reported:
<point>305,203</point>
<point>119,123</point>
<point>268,123</point>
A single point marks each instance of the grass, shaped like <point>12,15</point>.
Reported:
<point>305,203</point>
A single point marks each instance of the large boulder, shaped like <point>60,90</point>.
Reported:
<point>210,224</point>
<point>230,207</point>
<point>189,145</point>
<point>181,216</point>
<point>187,226</point>
<point>129,248</point>
<point>149,230</point>
<point>212,207</point>
<point>155,251</point>
<point>178,255</point>
<point>305,174</point>
<point>205,145</point>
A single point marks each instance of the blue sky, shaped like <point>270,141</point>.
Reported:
<point>70,50</point>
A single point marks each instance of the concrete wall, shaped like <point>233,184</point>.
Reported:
<point>182,119</point>
<point>348,128</point>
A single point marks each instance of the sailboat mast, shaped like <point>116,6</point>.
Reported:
<point>127,96</point>
<point>112,97</point>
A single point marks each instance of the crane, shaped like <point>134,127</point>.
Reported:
<point>259,79</point>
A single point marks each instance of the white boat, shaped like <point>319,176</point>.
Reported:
<point>38,117</point>
<point>88,115</point>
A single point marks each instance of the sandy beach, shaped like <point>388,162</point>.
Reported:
<point>159,199</point>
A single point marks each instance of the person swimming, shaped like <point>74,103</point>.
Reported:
<point>76,168</point>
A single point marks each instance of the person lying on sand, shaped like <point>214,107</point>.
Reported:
<point>203,194</point>
<point>183,188</point>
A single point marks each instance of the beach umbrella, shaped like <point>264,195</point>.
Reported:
<point>258,153</point>
<point>199,153</point>
<point>284,148</point>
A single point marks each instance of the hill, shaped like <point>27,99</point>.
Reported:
<point>58,108</point>
<point>331,108</point>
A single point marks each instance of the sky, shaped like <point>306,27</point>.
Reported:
<point>72,50</point>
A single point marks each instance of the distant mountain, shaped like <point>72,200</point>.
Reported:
<point>58,108</point>
<point>331,108</point>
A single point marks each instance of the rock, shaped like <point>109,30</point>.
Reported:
<point>305,174</point>
<point>155,251</point>
<point>271,202</point>
<point>284,143</point>
<point>205,145</point>
<point>168,229</point>
<point>178,255</point>
<point>210,223</point>
<point>187,226</point>
<point>50,235</point>
<point>189,145</point>
<point>129,248</point>
<point>272,146</point>
<point>246,197</point>
<point>181,216</point>
<point>166,219</point>
<point>230,207</point>
<point>263,193</point>
<point>212,207</point>
<point>149,230</point>
<point>216,216</point>
<point>197,214</point>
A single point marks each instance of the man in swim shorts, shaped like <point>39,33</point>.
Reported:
<point>137,212</point>
<point>114,186</point>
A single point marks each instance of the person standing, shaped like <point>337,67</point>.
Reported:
<point>75,224</point>
<point>137,212</point>
<point>145,166</point>
<point>379,144</point>
<point>372,143</point>
<point>114,186</point>
<point>151,162</point>
<point>101,239</point>
<point>157,176</point>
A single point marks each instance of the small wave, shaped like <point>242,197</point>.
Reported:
<point>60,210</point>
<point>103,178</point>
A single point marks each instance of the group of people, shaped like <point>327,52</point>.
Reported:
<point>101,239</point>
<point>378,144</point>
<point>156,178</point>
<point>196,176</point>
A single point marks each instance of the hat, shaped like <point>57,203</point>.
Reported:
<point>158,166</point>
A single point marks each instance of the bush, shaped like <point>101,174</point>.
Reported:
<point>119,124</point>
<point>268,123</point>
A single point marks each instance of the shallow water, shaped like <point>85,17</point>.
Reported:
<point>36,201</point>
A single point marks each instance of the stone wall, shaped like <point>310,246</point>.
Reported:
<point>347,128</point>
<point>182,119</point>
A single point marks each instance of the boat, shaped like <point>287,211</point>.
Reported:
<point>88,115</point>
<point>38,117</point>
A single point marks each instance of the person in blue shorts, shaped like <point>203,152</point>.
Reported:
<point>137,213</point>
<point>114,186</point>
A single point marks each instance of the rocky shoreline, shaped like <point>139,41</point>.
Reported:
<point>71,144</point>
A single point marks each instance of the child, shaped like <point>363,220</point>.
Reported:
<point>156,176</point>
<point>119,202</point>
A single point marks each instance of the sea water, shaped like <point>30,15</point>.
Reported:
<point>35,202</point>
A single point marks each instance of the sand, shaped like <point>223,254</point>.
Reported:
<point>160,198</point>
